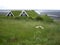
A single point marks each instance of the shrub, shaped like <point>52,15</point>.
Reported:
<point>39,18</point>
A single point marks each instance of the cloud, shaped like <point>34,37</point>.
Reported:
<point>30,4</point>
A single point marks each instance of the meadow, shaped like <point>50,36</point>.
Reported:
<point>24,32</point>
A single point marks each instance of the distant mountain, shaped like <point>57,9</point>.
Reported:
<point>51,12</point>
<point>55,14</point>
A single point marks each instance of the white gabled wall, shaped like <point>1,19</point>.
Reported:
<point>25,13</point>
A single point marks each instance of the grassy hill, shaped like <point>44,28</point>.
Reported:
<point>23,32</point>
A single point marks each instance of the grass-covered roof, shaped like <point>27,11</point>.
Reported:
<point>31,13</point>
<point>16,12</point>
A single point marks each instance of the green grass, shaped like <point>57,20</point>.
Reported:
<point>23,32</point>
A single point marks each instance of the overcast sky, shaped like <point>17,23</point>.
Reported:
<point>30,4</point>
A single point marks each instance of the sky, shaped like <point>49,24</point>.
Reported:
<point>30,4</point>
